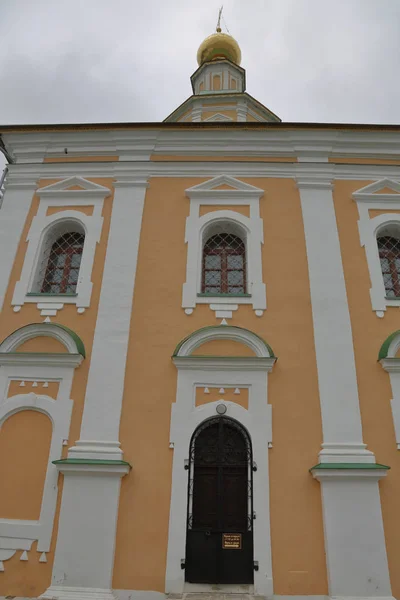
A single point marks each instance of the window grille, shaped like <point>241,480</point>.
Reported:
<point>224,265</point>
<point>59,268</point>
<point>389,255</point>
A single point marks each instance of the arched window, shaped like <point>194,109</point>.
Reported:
<point>58,268</point>
<point>224,264</point>
<point>389,255</point>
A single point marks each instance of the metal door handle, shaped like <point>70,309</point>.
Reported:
<point>208,533</point>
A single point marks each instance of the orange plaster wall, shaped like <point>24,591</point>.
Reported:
<point>42,344</point>
<point>158,324</point>
<point>214,394</point>
<point>87,210</point>
<point>375,213</point>
<point>363,161</point>
<point>243,210</point>
<point>223,348</point>
<point>38,576</point>
<point>369,332</point>
<point>24,447</point>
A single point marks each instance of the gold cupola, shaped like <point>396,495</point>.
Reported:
<point>218,46</point>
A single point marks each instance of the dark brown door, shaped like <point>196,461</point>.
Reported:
<point>219,542</point>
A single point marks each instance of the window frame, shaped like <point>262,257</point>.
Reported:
<point>369,198</point>
<point>56,195</point>
<point>51,267</point>
<point>251,232</point>
<point>391,257</point>
<point>223,254</point>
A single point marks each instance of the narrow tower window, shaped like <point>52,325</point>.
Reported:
<point>224,265</point>
<point>59,269</point>
<point>389,255</point>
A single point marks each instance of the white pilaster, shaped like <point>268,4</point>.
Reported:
<point>341,420</point>
<point>103,402</point>
<point>353,526</point>
<point>84,557</point>
<point>14,211</point>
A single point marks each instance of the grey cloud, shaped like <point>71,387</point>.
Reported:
<point>129,60</point>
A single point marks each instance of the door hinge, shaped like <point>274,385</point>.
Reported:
<point>255,565</point>
<point>183,563</point>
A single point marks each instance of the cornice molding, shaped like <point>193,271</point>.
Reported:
<point>223,363</point>
<point>25,359</point>
<point>61,189</point>
<point>139,171</point>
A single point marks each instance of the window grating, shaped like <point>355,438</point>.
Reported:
<point>224,265</point>
<point>59,269</point>
<point>389,255</point>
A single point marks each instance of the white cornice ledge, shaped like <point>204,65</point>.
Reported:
<point>347,474</point>
<point>130,182</point>
<point>391,365</point>
<point>26,359</point>
<point>226,363</point>
<point>314,184</point>
<point>118,470</point>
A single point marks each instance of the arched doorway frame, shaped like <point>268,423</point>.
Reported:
<point>202,543</point>
<point>228,372</point>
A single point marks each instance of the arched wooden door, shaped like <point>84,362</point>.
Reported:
<point>219,540</point>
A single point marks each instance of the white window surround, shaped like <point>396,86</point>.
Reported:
<point>59,194</point>
<point>368,198</point>
<point>391,364</point>
<point>226,372</point>
<point>19,534</point>
<point>241,194</point>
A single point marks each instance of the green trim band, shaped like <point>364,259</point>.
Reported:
<point>222,327</point>
<point>217,356</point>
<point>349,466</point>
<point>385,346</point>
<point>51,295</point>
<point>79,344</point>
<point>90,461</point>
<point>210,295</point>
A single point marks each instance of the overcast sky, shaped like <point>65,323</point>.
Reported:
<point>130,60</point>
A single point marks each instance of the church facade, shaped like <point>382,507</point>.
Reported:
<point>199,354</point>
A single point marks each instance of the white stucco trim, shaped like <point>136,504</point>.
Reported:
<point>391,365</point>
<point>34,330</point>
<point>14,212</point>
<point>226,332</point>
<point>252,233</point>
<point>219,117</point>
<point>59,194</point>
<point>19,534</point>
<point>185,417</point>
<point>368,198</point>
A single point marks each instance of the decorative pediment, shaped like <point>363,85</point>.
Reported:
<point>74,186</point>
<point>219,117</point>
<point>384,189</point>
<point>222,186</point>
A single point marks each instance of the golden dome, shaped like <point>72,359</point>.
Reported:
<point>219,45</point>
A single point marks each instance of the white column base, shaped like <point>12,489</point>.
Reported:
<point>56,592</point>
<point>354,536</point>
<point>84,556</point>
<point>345,453</point>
